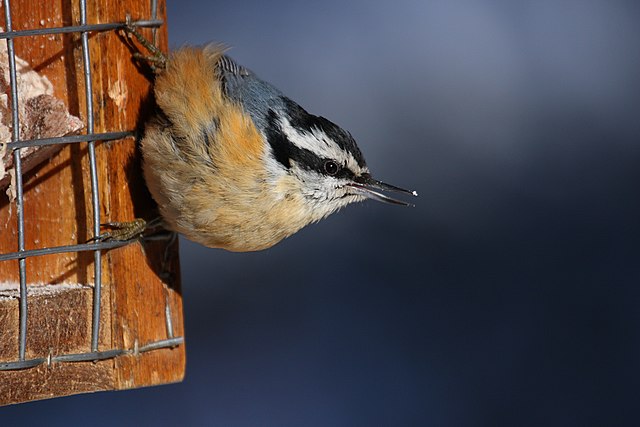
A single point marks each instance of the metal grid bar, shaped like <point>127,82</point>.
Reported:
<point>82,247</point>
<point>92,28</point>
<point>154,16</point>
<point>93,356</point>
<point>95,196</point>
<point>90,137</point>
<point>106,136</point>
<point>15,136</point>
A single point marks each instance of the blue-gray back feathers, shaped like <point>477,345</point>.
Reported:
<point>265,103</point>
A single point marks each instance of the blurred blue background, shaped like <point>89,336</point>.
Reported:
<point>508,296</point>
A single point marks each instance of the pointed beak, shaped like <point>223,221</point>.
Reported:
<point>366,186</point>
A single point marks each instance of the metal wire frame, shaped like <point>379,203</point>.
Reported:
<point>90,137</point>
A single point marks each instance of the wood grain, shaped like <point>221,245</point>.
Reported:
<point>58,211</point>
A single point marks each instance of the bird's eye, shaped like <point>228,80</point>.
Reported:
<point>330,167</point>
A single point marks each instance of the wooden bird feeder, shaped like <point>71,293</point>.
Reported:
<point>75,315</point>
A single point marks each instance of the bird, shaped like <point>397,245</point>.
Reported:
<point>234,163</point>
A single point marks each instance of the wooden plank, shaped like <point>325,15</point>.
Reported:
<point>58,211</point>
<point>45,382</point>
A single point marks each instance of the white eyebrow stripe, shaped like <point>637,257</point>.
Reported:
<point>318,143</point>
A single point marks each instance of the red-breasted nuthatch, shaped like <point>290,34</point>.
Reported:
<point>233,163</point>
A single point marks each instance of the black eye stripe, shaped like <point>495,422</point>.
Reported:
<point>300,118</point>
<point>283,149</point>
<point>286,151</point>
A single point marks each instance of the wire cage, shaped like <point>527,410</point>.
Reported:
<point>120,327</point>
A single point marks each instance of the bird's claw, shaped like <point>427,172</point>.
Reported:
<point>157,60</point>
<point>122,231</point>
